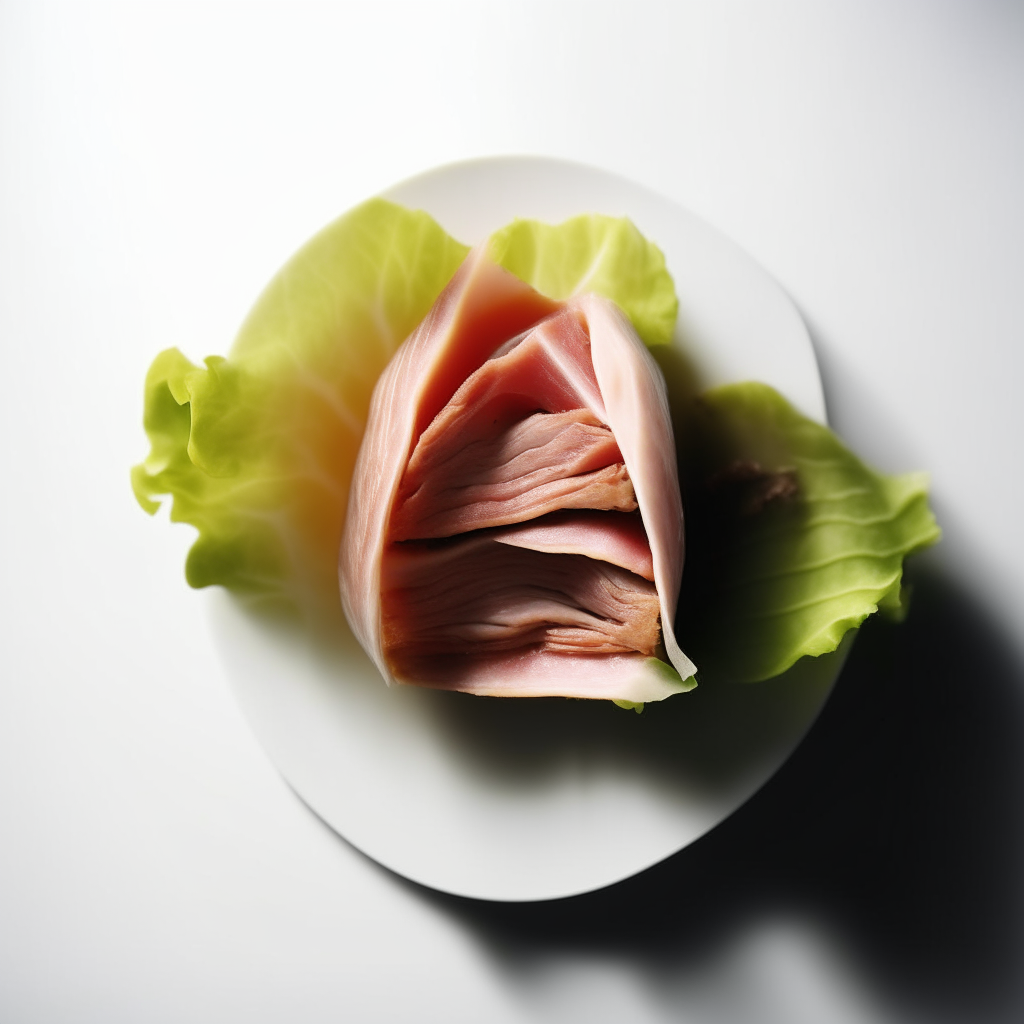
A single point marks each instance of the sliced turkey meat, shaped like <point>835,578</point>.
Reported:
<point>514,524</point>
<point>476,595</point>
<point>606,536</point>
<point>510,472</point>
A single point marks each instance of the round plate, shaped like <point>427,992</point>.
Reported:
<point>506,799</point>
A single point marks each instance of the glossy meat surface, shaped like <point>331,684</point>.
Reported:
<point>479,596</point>
<point>524,539</point>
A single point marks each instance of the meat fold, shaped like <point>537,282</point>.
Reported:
<point>515,525</point>
<point>475,595</point>
<point>511,473</point>
<point>523,435</point>
<point>606,536</point>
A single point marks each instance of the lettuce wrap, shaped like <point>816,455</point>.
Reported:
<point>791,541</point>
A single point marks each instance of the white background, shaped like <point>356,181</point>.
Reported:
<point>158,162</point>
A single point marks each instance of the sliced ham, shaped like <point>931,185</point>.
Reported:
<point>515,524</point>
<point>477,596</point>
<point>607,536</point>
<point>508,473</point>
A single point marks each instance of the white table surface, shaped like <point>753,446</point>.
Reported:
<point>158,162</point>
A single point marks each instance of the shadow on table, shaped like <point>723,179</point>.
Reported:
<point>897,825</point>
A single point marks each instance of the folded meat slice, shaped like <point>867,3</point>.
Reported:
<point>515,524</point>
<point>511,472</point>
<point>608,537</point>
<point>479,595</point>
<point>524,435</point>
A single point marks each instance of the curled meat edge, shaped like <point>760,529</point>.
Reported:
<point>636,403</point>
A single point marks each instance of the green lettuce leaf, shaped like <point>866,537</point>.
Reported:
<point>791,540</point>
<point>593,253</point>
<point>256,451</point>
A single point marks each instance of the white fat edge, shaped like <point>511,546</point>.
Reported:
<point>635,678</point>
<point>626,373</point>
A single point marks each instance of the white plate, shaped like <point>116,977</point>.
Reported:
<point>536,799</point>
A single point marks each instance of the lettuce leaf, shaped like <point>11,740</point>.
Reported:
<point>791,540</point>
<point>256,451</point>
<point>593,253</point>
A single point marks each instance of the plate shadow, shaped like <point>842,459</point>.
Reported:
<point>897,824</point>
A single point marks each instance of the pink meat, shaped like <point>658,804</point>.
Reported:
<point>508,473</point>
<point>522,436</point>
<point>607,536</point>
<point>529,672</point>
<point>475,596</point>
<point>529,452</point>
<point>637,403</point>
<point>481,307</point>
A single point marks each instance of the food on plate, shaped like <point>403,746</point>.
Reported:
<point>515,524</point>
<point>790,540</point>
<point>256,450</point>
